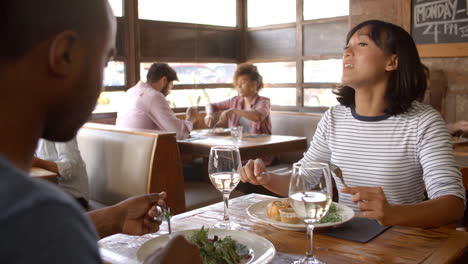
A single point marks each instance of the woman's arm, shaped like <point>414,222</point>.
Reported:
<point>251,115</point>
<point>441,177</point>
<point>212,108</point>
<point>45,164</point>
<point>277,183</point>
<point>431,213</point>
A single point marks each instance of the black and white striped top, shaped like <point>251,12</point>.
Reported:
<point>405,154</point>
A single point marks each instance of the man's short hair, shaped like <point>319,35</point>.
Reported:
<point>159,70</point>
<point>26,23</point>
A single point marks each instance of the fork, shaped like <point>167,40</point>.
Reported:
<point>163,214</point>
<point>339,175</point>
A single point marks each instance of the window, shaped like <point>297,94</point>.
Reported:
<point>280,96</point>
<point>314,9</point>
<point>270,12</point>
<point>210,12</point>
<point>277,72</point>
<point>197,73</point>
<point>117,7</point>
<point>319,97</point>
<point>114,74</point>
<point>323,71</point>
<point>109,102</point>
<point>189,97</point>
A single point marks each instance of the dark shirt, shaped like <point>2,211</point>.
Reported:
<point>41,224</point>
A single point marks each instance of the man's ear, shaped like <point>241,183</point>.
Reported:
<point>164,81</point>
<point>63,53</point>
<point>392,63</point>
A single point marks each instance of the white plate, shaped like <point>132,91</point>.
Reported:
<point>258,211</point>
<point>458,140</point>
<point>219,131</point>
<point>263,250</point>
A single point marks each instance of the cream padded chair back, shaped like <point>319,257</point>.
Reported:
<point>118,164</point>
<point>294,124</point>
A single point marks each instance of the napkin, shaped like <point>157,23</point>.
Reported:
<point>357,229</point>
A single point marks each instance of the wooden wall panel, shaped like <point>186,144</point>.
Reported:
<point>120,39</point>
<point>219,44</point>
<point>161,40</point>
<point>325,38</point>
<point>187,42</point>
<point>271,43</point>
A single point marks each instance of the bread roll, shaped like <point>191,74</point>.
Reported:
<point>289,216</point>
<point>274,207</point>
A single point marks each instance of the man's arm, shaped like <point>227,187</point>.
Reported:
<point>134,216</point>
<point>163,116</point>
<point>45,164</point>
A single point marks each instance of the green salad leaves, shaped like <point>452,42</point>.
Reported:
<point>332,216</point>
<point>219,251</point>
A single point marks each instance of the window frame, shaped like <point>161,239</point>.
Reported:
<point>130,29</point>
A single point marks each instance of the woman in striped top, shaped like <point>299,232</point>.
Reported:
<point>391,148</point>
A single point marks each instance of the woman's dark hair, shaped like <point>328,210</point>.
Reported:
<point>251,71</point>
<point>408,82</point>
<point>159,70</point>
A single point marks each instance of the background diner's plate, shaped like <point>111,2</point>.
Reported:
<point>459,140</point>
<point>263,250</point>
<point>213,131</point>
<point>259,212</point>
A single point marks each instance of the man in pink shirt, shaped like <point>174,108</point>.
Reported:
<point>145,104</point>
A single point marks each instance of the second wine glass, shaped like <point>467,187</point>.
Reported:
<point>310,192</point>
<point>224,170</point>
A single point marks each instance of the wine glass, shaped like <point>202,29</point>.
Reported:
<point>224,170</point>
<point>310,193</point>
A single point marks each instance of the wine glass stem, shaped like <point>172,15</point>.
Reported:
<point>226,206</point>
<point>310,241</point>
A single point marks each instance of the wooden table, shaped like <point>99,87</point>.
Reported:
<point>43,174</point>
<point>460,151</point>
<point>395,245</point>
<point>251,146</point>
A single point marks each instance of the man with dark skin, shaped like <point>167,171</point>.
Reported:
<point>51,65</point>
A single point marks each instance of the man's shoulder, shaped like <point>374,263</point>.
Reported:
<point>20,192</point>
<point>38,217</point>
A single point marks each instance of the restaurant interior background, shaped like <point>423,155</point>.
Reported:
<point>296,44</point>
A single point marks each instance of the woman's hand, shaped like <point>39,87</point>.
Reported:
<point>254,172</point>
<point>209,120</point>
<point>373,203</point>
<point>224,116</point>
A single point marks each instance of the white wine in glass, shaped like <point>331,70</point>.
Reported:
<point>310,192</point>
<point>224,167</point>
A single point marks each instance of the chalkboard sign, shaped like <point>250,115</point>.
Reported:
<point>439,21</point>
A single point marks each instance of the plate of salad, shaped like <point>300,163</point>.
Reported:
<point>337,214</point>
<point>219,246</point>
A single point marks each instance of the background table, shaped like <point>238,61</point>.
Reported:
<point>251,147</point>
<point>396,245</point>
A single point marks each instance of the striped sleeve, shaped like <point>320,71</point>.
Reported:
<point>319,150</point>
<point>440,173</point>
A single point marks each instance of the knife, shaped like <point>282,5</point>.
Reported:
<point>168,219</point>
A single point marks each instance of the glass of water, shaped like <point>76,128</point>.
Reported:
<point>236,134</point>
<point>224,167</point>
<point>310,193</point>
